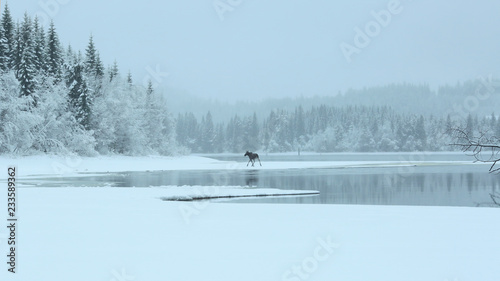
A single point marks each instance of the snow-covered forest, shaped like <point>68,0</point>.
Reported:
<point>59,100</point>
<point>54,99</point>
<point>327,129</point>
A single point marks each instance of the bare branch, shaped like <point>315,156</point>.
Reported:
<point>495,197</point>
<point>483,148</point>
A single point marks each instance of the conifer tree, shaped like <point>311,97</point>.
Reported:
<point>4,51</point>
<point>16,51</point>
<point>70,56</point>
<point>54,54</point>
<point>207,133</point>
<point>219,142</point>
<point>300,126</point>
<point>150,89</point>
<point>90,57</point>
<point>93,63</point>
<point>113,71</point>
<point>80,100</point>
<point>25,66</point>
<point>130,82</point>
<point>469,129</point>
<point>8,33</point>
<point>420,133</point>
<point>39,47</point>
<point>252,133</point>
<point>99,67</point>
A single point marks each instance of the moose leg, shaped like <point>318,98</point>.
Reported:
<point>253,162</point>
<point>249,162</point>
<point>259,161</point>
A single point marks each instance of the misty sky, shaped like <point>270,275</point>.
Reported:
<point>281,48</point>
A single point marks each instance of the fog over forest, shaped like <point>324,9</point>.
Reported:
<point>56,99</point>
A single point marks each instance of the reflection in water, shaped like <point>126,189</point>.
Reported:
<point>438,186</point>
<point>252,178</point>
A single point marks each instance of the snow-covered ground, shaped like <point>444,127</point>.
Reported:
<point>65,166</point>
<point>126,234</point>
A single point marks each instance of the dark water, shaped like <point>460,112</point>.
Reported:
<point>434,185</point>
<point>349,156</point>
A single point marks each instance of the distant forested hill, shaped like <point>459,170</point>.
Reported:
<point>478,97</point>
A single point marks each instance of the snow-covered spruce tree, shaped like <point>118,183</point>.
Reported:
<point>251,133</point>
<point>25,61</point>
<point>187,131</point>
<point>160,129</point>
<point>9,33</point>
<point>220,139</point>
<point>93,65</point>
<point>79,96</point>
<point>114,71</point>
<point>420,134</point>
<point>130,81</point>
<point>54,61</point>
<point>4,51</point>
<point>235,135</point>
<point>207,137</point>
<point>94,68</point>
<point>299,125</point>
<point>279,132</point>
<point>69,57</point>
<point>39,47</point>
<point>99,67</point>
<point>16,51</point>
<point>91,57</point>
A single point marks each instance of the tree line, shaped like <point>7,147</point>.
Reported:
<point>326,128</point>
<point>54,99</point>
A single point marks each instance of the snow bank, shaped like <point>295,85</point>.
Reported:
<point>56,165</point>
<point>192,193</point>
<point>65,166</point>
<point>129,234</point>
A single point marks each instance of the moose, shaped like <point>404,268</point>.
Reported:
<point>252,156</point>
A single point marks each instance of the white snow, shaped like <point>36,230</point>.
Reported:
<point>190,193</point>
<point>125,234</point>
<point>65,166</point>
<point>97,233</point>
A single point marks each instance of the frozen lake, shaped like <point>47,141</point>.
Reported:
<point>447,184</point>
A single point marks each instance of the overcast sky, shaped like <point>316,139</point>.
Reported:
<point>252,49</point>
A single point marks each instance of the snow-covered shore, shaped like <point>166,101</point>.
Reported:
<point>128,233</point>
<point>64,166</point>
<point>132,234</point>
